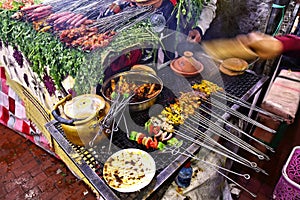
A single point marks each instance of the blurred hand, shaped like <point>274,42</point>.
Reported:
<point>194,36</point>
<point>265,46</point>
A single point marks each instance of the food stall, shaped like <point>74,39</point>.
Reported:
<point>54,60</point>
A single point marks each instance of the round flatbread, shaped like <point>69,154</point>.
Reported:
<point>229,72</point>
<point>129,170</point>
<point>235,64</point>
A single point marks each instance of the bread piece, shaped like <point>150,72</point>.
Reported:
<point>235,64</point>
<point>229,72</point>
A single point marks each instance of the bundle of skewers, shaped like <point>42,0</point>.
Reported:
<point>85,24</point>
<point>190,119</point>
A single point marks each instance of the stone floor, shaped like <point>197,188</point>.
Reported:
<point>28,172</point>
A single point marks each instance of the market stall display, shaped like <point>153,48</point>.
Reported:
<point>146,141</point>
<point>56,40</point>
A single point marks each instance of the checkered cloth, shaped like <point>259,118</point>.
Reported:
<point>13,115</point>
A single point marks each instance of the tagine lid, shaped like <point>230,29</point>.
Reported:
<point>186,65</point>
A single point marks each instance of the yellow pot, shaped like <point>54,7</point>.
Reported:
<point>80,117</point>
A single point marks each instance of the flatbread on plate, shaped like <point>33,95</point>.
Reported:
<point>129,170</point>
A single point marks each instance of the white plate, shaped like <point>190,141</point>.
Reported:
<point>129,170</point>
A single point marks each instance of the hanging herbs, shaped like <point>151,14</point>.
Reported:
<point>188,12</point>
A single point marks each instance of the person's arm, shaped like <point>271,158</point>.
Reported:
<point>291,45</point>
<point>207,15</point>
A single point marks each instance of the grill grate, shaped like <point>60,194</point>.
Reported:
<point>96,156</point>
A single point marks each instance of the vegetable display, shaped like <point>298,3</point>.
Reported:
<point>187,11</point>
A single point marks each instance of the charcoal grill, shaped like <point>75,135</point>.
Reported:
<point>90,161</point>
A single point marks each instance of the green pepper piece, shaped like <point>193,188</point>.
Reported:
<point>126,95</point>
<point>113,95</point>
<point>161,146</point>
<point>173,141</point>
<point>147,125</point>
<point>133,135</point>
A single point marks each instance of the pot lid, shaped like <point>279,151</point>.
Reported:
<point>186,65</point>
<point>83,106</point>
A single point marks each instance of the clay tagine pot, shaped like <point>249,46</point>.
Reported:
<point>186,65</point>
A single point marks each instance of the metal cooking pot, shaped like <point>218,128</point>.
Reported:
<point>80,117</point>
<point>140,77</point>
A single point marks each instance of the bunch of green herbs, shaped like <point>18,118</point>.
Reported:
<point>41,49</point>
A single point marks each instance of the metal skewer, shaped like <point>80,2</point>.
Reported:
<point>241,102</point>
<point>108,122</point>
<point>252,194</point>
<point>223,133</point>
<point>117,109</point>
<point>231,137</point>
<point>229,154</point>
<point>200,135</point>
<point>238,114</point>
<point>219,118</point>
<point>177,150</point>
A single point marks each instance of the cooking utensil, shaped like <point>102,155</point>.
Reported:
<point>241,116</point>
<point>81,117</point>
<point>138,77</point>
<point>228,97</point>
<point>186,65</point>
<point>227,123</point>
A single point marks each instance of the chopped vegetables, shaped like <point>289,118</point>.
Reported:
<point>161,146</point>
<point>151,142</point>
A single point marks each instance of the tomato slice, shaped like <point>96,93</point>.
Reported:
<point>148,142</point>
<point>154,143</point>
<point>140,138</point>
